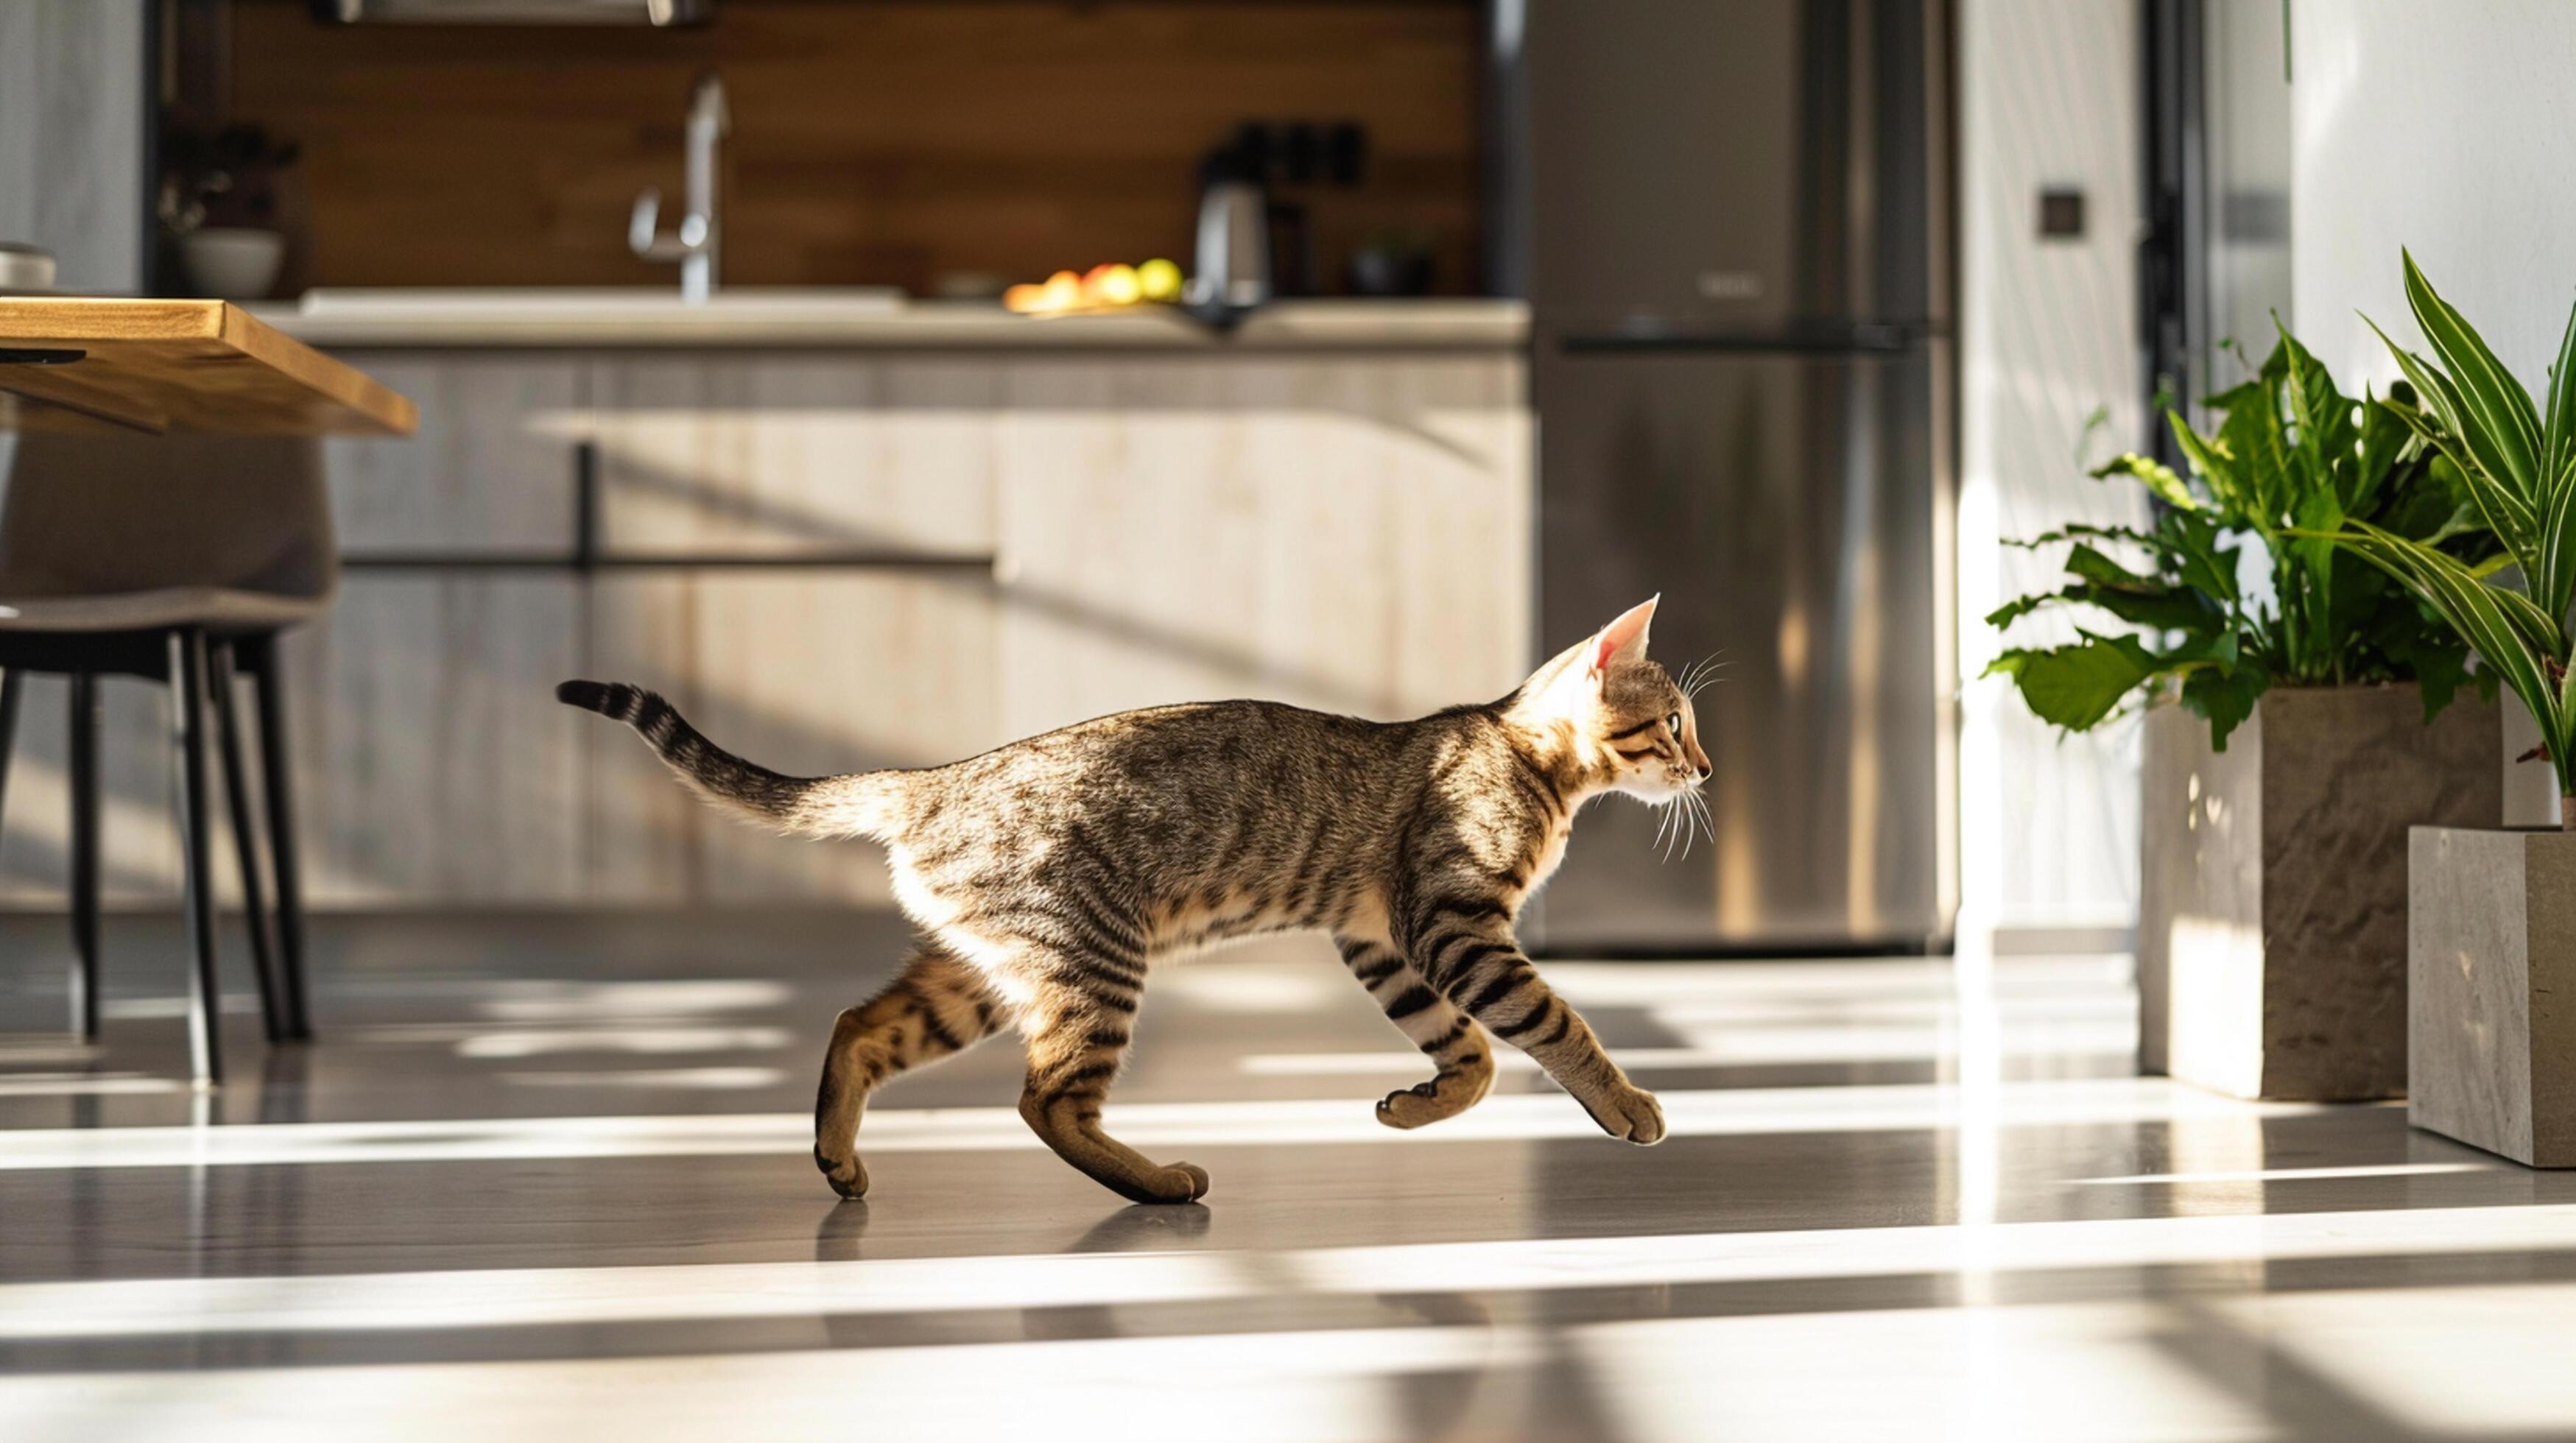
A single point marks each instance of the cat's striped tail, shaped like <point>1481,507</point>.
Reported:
<point>839,806</point>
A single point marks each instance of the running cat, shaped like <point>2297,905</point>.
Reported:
<point>1048,875</point>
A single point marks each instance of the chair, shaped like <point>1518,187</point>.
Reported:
<point>179,559</point>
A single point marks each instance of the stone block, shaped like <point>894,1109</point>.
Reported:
<point>2272,938</point>
<point>2491,990</point>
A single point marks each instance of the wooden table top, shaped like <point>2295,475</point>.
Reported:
<point>156,365</point>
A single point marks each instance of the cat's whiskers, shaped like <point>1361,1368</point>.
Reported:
<point>1675,814</point>
<point>1702,680</point>
<point>1700,817</point>
<point>1700,673</point>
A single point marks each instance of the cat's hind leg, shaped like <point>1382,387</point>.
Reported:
<point>1078,1027</point>
<point>937,1008</point>
<point>1449,1037</point>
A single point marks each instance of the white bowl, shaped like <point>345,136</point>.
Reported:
<point>234,263</point>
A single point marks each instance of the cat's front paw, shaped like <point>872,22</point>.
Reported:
<point>1629,1114</point>
<point>846,1176</point>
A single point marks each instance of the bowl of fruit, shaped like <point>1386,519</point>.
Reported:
<point>1112,287</point>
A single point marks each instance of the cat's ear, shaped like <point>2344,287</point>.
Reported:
<point>1624,639</point>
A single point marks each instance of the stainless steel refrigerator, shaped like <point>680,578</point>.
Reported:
<point>1732,223</point>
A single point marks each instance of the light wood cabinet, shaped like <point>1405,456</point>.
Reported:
<point>810,646</point>
<point>490,472</point>
<point>1348,533</point>
<point>806,673</point>
<point>433,764</point>
<point>795,455</point>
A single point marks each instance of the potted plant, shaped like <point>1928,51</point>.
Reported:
<point>2316,724</point>
<point>2492,913</point>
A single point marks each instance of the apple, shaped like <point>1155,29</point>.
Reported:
<point>1159,280</point>
<point>1112,285</point>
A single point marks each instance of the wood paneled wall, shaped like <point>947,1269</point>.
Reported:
<point>874,141</point>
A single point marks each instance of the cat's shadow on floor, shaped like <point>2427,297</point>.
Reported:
<point>1135,1227</point>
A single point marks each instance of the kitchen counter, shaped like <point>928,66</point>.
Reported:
<point>868,320</point>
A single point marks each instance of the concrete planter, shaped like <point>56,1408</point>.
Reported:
<point>2272,939</point>
<point>2491,1001</point>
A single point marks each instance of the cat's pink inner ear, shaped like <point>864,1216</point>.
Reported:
<point>1626,636</point>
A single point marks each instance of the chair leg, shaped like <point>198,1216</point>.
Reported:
<point>228,742</point>
<point>10,684</point>
<point>84,839</point>
<point>9,681</point>
<point>188,739</point>
<point>277,773</point>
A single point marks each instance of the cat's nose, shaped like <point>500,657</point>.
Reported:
<point>1703,774</point>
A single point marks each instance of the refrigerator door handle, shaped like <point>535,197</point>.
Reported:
<point>1841,339</point>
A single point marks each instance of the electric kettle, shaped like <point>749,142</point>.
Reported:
<point>1232,276</point>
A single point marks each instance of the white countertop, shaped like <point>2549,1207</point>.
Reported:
<point>864,319</point>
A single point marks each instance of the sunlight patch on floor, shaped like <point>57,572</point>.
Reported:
<point>534,1296</point>
<point>1145,1125</point>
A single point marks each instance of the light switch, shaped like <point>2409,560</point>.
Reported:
<point>2061,215</point>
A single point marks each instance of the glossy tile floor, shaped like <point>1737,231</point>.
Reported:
<point>545,1179</point>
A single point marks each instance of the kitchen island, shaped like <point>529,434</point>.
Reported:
<point>845,534</point>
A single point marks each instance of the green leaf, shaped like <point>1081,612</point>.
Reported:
<point>2312,576</point>
<point>2258,437</point>
<point>2386,442</point>
<point>2439,670</point>
<point>2076,686</point>
<point>2560,729</point>
<point>2224,697</point>
<point>2558,448</point>
<point>2154,475</point>
<point>2511,515</point>
<point>2556,585</point>
<point>2171,608</point>
<point>2092,565</point>
<point>2215,465</point>
<point>2219,649</point>
<point>2207,565</point>
<point>2318,412</point>
<point>2498,416</point>
<point>2019,607</point>
<point>2074,529</point>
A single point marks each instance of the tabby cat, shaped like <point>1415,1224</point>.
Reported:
<point>1049,874</point>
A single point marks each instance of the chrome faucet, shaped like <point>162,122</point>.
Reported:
<point>699,243</point>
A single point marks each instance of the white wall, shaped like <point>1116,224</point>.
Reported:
<point>71,136</point>
<point>2451,130</point>
<point>2048,97</point>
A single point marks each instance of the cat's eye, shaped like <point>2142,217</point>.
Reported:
<point>1675,722</point>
